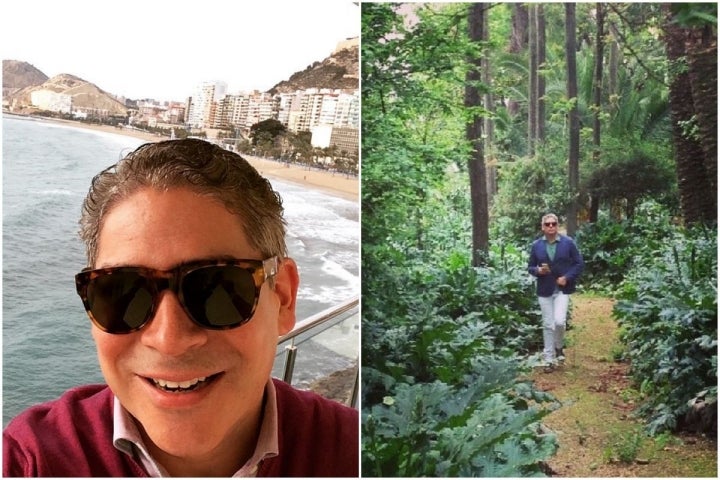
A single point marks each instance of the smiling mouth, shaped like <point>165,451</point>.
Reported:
<point>182,387</point>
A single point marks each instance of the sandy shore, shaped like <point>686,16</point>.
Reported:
<point>334,183</point>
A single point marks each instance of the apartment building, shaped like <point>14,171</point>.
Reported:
<point>301,111</point>
<point>262,106</point>
<point>347,140</point>
<point>203,105</point>
<point>347,111</point>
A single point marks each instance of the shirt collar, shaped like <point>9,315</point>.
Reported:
<point>127,439</point>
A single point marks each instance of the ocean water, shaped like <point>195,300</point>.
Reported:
<point>47,346</point>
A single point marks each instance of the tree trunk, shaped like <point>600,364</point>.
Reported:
<point>489,104</point>
<point>518,42</point>
<point>541,57</point>
<point>702,69</point>
<point>519,34</point>
<point>532,82</point>
<point>698,197</point>
<point>574,141</point>
<point>476,162</point>
<point>614,63</point>
<point>597,101</point>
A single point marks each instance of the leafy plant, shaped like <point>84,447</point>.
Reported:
<point>478,429</point>
<point>624,446</point>
<point>668,311</point>
<point>611,248</point>
<point>664,439</point>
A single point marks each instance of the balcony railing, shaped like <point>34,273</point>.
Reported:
<point>323,350</point>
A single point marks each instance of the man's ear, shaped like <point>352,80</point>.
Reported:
<point>286,287</point>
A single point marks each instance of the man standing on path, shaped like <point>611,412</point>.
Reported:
<point>556,262</point>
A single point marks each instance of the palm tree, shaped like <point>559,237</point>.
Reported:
<point>695,172</point>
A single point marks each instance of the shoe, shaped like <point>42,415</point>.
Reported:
<point>559,354</point>
<point>549,368</point>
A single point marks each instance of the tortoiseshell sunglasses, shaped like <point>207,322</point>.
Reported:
<point>216,294</point>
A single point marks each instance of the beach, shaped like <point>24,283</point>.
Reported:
<point>334,183</point>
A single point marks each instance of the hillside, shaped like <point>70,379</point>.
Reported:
<point>17,75</point>
<point>20,79</point>
<point>338,71</point>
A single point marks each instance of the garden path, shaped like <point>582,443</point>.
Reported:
<point>595,427</point>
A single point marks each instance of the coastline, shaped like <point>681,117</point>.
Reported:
<point>333,183</point>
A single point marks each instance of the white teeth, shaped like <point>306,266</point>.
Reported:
<point>177,385</point>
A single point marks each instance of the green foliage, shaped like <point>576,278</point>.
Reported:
<point>668,311</point>
<point>624,446</point>
<point>412,117</point>
<point>629,177</point>
<point>444,315</point>
<point>695,14</point>
<point>266,130</point>
<point>611,248</point>
<point>441,394</point>
<point>434,429</point>
<point>531,187</point>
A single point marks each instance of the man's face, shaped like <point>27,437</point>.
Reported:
<point>549,226</point>
<point>161,230</point>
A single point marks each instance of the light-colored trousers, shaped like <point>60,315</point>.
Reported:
<point>554,314</point>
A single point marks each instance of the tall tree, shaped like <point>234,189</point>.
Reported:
<point>574,118</point>
<point>489,125</point>
<point>536,83</point>
<point>474,129</point>
<point>518,43</point>
<point>533,78</point>
<point>519,34</point>
<point>597,97</point>
<point>698,196</point>
<point>541,58</point>
<point>613,61</point>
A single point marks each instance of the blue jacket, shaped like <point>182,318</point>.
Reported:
<point>568,263</point>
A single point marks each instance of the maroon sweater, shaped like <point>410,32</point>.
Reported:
<point>72,437</point>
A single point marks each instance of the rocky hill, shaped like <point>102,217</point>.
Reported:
<point>339,71</point>
<point>20,79</point>
<point>17,75</point>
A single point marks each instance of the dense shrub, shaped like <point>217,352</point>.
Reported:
<point>442,347</point>
<point>481,428</point>
<point>668,314</point>
<point>611,248</point>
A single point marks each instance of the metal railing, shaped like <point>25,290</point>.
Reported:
<point>344,319</point>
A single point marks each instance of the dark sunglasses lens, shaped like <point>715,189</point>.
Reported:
<point>551,224</point>
<point>219,296</point>
<point>120,302</point>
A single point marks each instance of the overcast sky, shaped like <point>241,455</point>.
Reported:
<point>163,49</point>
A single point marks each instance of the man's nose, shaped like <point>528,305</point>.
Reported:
<point>171,331</point>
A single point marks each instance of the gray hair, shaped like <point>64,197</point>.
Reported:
<point>547,216</point>
<point>201,166</point>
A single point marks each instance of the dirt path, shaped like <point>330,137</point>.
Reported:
<point>595,427</point>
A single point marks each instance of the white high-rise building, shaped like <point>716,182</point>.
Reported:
<point>347,111</point>
<point>201,107</point>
